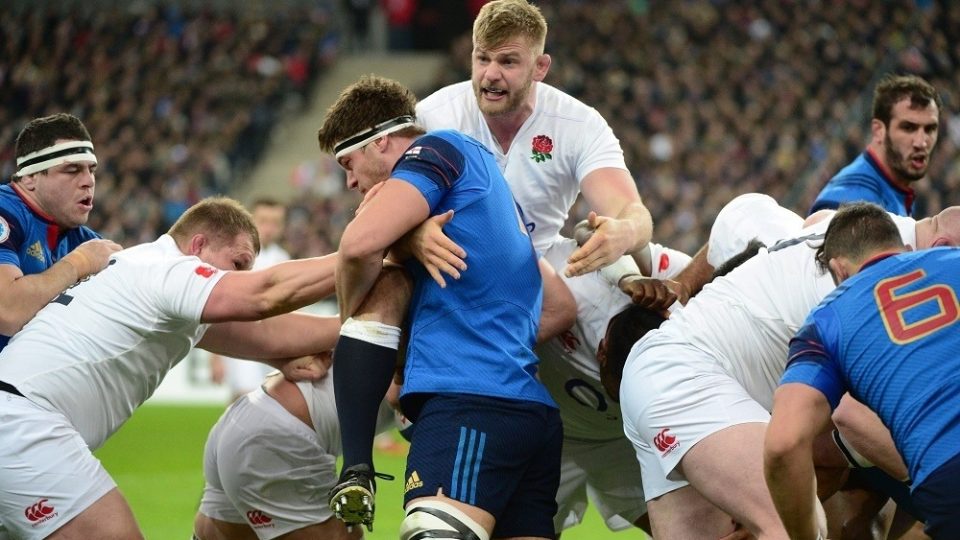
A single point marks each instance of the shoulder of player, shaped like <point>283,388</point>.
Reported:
<point>448,97</point>
<point>556,103</point>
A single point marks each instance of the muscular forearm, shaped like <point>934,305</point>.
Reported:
<point>790,477</point>
<point>355,278</point>
<point>862,428</point>
<point>697,273</point>
<point>638,218</point>
<point>21,297</point>
<point>280,337</point>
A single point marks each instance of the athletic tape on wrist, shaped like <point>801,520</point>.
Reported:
<point>619,269</point>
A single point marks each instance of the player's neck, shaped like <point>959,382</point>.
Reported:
<point>505,127</point>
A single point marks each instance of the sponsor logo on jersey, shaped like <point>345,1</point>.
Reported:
<point>665,442</point>
<point>4,230</point>
<point>413,482</point>
<point>205,271</point>
<point>40,512</point>
<point>36,251</point>
<point>413,152</point>
<point>258,519</point>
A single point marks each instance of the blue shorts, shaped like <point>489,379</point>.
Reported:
<point>500,455</point>
<point>939,500</point>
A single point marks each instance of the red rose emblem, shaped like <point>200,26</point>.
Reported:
<point>542,146</point>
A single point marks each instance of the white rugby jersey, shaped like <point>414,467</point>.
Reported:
<point>568,363</point>
<point>545,184</point>
<point>102,347</point>
<point>745,319</point>
<point>749,216</point>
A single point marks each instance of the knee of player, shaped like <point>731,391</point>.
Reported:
<point>435,519</point>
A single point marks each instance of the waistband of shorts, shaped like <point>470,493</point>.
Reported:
<point>260,399</point>
<point>10,389</point>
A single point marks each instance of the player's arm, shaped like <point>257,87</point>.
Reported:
<point>800,412</point>
<point>559,310</point>
<point>21,297</point>
<point>281,288</point>
<point>398,208</point>
<point>623,224</point>
<point>284,336</point>
<point>864,430</point>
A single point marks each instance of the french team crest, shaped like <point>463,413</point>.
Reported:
<point>4,230</point>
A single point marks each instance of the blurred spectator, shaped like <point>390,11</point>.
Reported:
<point>180,102</point>
<point>711,99</point>
<point>400,15</point>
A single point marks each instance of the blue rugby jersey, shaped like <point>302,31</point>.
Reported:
<point>888,335</point>
<point>475,336</point>
<point>864,179</point>
<point>30,240</point>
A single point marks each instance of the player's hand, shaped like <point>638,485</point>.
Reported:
<point>308,368</point>
<point>435,251</point>
<point>653,293</point>
<point>611,238</point>
<point>368,196</point>
<point>91,256</point>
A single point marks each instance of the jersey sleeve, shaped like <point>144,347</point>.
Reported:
<point>11,238</point>
<point>600,147</point>
<point>185,287</point>
<point>812,359</point>
<point>433,165</point>
<point>666,263</point>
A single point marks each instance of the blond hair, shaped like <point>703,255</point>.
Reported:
<point>502,20</point>
<point>222,218</point>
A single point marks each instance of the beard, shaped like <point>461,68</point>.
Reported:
<point>900,164</point>
<point>513,102</point>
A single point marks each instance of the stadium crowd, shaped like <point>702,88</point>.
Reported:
<point>709,101</point>
<point>180,102</point>
<point>714,99</point>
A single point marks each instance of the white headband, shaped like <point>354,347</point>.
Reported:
<point>51,156</point>
<point>362,138</point>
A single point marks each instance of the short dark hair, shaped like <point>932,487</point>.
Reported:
<point>44,132</point>
<point>856,230</point>
<point>893,88</point>
<point>364,104</point>
<point>623,331</point>
<point>40,133</point>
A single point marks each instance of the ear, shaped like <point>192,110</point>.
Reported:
<point>541,66</point>
<point>879,132</point>
<point>28,182</point>
<point>839,269</point>
<point>381,143</point>
<point>197,242</point>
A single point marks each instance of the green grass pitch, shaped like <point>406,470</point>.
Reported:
<point>156,459</point>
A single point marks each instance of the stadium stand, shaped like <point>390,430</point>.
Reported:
<point>710,99</point>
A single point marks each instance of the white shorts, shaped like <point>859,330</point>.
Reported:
<point>266,468</point>
<point>672,396</point>
<point>48,476</point>
<point>605,472</point>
